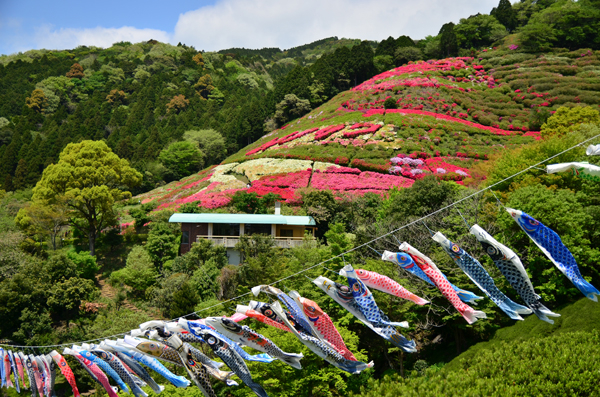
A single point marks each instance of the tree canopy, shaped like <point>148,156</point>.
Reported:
<point>89,178</point>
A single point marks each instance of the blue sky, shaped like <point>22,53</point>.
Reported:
<point>217,24</point>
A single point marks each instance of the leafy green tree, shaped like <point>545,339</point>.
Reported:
<point>162,244</point>
<point>448,40</point>
<point>386,47</point>
<point>566,120</point>
<point>383,63</point>
<point>88,179</point>
<point>251,203</point>
<point>184,301</point>
<point>139,272</point>
<point>390,103</point>
<point>478,31</point>
<point>210,142</point>
<point>39,218</point>
<point>291,107</point>
<point>405,41</point>
<point>85,263</point>
<point>339,241</point>
<point>537,37</point>
<point>505,14</point>
<point>181,159</point>
<point>407,54</point>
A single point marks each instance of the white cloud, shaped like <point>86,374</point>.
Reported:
<point>289,23</point>
<point>49,38</point>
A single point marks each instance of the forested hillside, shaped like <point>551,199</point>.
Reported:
<point>380,142</point>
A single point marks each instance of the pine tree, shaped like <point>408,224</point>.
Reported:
<point>19,180</point>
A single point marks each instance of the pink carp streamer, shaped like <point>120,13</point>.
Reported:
<point>323,326</point>
<point>385,284</point>
<point>250,313</point>
<point>435,275</point>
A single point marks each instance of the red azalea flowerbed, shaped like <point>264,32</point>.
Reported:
<point>493,130</point>
<point>386,81</point>
<point>371,128</point>
<point>357,183</point>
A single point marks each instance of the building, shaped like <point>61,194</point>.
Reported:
<point>226,229</point>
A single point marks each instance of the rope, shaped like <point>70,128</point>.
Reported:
<point>463,218</point>
<point>368,243</point>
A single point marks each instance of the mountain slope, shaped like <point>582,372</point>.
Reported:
<point>451,114</point>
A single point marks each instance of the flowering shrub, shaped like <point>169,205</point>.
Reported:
<point>371,128</point>
<point>355,182</point>
<point>493,130</point>
<point>326,132</point>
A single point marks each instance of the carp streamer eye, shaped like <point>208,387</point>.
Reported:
<point>268,312</point>
<point>356,288</point>
<point>455,248</point>
<point>344,289</point>
<point>492,250</point>
<point>311,309</point>
<point>212,341</point>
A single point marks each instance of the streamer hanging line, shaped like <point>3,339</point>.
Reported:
<point>366,244</point>
<point>463,218</point>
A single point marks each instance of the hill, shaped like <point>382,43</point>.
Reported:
<point>444,118</point>
<point>139,98</point>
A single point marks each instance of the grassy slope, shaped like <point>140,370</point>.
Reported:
<point>583,315</point>
<point>531,358</point>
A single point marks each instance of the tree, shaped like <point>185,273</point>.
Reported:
<point>139,273</point>
<point>407,54</point>
<point>448,42</point>
<point>37,101</point>
<point>198,59</point>
<point>386,47</point>
<point>41,218</point>
<point>566,120</point>
<point>383,63</point>
<point>505,14</point>
<point>250,203</point>
<point>204,86</point>
<point>478,31</point>
<point>181,159</point>
<point>537,37</point>
<point>177,103</point>
<point>162,244</point>
<point>88,179</point>
<point>76,72</point>
<point>210,142</point>
<point>390,103</point>
<point>116,97</point>
<point>291,107</point>
<point>20,174</point>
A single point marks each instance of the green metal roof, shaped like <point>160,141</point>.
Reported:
<point>244,218</point>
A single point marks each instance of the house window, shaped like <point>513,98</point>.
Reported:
<point>185,237</point>
<point>226,229</point>
<point>257,229</point>
<point>286,233</point>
